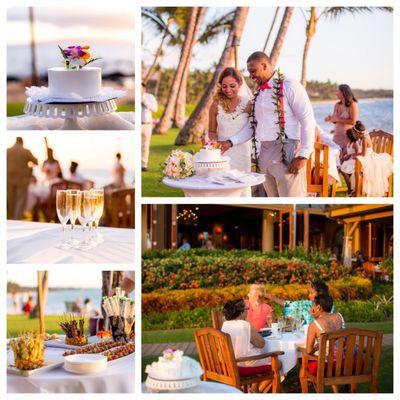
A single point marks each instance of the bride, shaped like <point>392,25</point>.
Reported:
<point>228,114</point>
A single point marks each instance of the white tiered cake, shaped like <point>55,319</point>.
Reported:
<point>209,155</point>
<point>84,82</point>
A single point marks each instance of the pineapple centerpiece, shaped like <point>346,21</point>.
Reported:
<point>28,351</point>
<point>74,330</point>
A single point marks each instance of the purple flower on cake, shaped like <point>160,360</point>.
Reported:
<point>211,144</point>
<point>76,57</point>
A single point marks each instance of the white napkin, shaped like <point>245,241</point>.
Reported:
<point>42,95</point>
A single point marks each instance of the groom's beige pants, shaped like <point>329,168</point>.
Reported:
<point>278,181</point>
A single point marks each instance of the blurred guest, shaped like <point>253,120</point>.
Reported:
<point>19,171</point>
<point>77,306</point>
<point>28,306</point>
<point>118,173</point>
<point>360,260</point>
<point>74,175</point>
<point>15,301</point>
<point>51,167</point>
<point>259,314</point>
<point>149,105</point>
<point>127,284</point>
<point>209,245</point>
<point>88,309</point>
<point>185,245</point>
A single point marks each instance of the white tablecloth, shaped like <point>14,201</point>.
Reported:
<point>118,377</point>
<point>205,387</point>
<point>199,187</point>
<point>287,343</point>
<point>113,121</point>
<point>35,243</point>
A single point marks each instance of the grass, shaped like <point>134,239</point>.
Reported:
<point>22,323</point>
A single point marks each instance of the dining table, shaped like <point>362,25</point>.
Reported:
<point>38,243</point>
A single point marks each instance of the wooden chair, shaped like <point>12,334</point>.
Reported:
<point>317,171</point>
<point>217,318</point>
<point>219,363</point>
<point>356,361</point>
<point>123,208</point>
<point>382,142</point>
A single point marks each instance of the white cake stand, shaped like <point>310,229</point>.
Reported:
<point>69,112</point>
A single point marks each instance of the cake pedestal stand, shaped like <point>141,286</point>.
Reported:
<point>69,112</point>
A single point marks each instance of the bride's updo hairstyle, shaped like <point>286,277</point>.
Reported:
<point>219,97</point>
<point>233,308</point>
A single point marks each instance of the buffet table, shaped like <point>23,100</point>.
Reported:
<point>196,186</point>
<point>288,343</point>
<point>113,121</point>
<point>35,243</point>
<point>119,377</point>
<point>204,387</point>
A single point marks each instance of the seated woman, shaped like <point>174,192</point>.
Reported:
<point>324,322</point>
<point>246,341</point>
<point>302,308</point>
<point>259,314</point>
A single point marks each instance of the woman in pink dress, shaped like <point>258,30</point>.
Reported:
<point>260,315</point>
<point>345,115</point>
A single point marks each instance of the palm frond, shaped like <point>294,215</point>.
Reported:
<point>336,12</point>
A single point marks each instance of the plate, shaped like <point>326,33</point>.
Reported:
<point>85,363</point>
<point>50,362</point>
<point>60,342</point>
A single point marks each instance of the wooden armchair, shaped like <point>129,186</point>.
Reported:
<point>123,208</point>
<point>382,142</point>
<point>356,361</point>
<point>219,363</point>
<point>317,171</point>
<point>217,318</point>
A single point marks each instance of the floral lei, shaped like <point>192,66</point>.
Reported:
<point>278,101</point>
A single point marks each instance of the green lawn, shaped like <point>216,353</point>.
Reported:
<point>17,324</point>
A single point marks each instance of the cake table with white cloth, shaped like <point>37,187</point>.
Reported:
<point>205,387</point>
<point>35,243</point>
<point>215,186</point>
<point>118,377</point>
<point>288,343</point>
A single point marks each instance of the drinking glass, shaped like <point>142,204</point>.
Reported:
<point>74,210</point>
<point>85,218</point>
<point>98,200</point>
<point>63,215</point>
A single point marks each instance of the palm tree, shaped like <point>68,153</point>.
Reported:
<point>271,28</point>
<point>327,12</point>
<point>194,127</point>
<point>34,76</point>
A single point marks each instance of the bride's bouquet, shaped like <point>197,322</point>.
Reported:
<point>178,165</point>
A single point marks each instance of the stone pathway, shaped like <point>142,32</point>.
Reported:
<point>189,348</point>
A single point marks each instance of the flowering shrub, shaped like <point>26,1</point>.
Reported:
<point>178,300</point>
<point>204,269</point>
<point>178,165</point>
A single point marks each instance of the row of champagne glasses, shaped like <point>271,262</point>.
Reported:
<point>85,206</point>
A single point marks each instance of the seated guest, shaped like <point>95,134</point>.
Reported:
<point>246,341</point>
<point>259,314</point>
<point>302,308</point>
<point>74,175</point>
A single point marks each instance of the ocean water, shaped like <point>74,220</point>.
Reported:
<point>374,113</point>
<point>57,298</point>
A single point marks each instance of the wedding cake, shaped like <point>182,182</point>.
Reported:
<point>173,371</point>
<point>84,82</point>
<point>209,155</point>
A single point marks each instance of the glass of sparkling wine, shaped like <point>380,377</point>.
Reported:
<point>63,215</point>
<point>85,218</point>
<point>74,209</point>
<point>98,200</point>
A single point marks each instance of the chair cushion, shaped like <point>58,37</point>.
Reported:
<point>250,371</point>
<point>313,367</point>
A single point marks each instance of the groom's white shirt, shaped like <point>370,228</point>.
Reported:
<point>299,118</point>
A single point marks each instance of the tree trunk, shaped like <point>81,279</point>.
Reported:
<point>166,119</point>
<point>34,76</point>
<point>280,37</point>
<point>310,31</point>
<point>198,120</point>
<point>157,56</point>
<point>270,30</point>
<point>180,111</point>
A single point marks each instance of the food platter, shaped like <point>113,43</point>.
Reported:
<point>60,342</point>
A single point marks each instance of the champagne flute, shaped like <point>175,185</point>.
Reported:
<point>98,195</point>
<point>63,215</point>
<point>74,209</point>
<point>85,218</point>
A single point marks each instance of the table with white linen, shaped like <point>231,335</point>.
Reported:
<point>113,121</point>
<point>288,343</point>
<point>118,377</point>
<point>204,387</point>
<point>198,186</point>
<point>36,243</point>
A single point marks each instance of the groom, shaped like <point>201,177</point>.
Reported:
<point>285,128</point>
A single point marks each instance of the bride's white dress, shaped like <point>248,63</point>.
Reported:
<point>229,124</point>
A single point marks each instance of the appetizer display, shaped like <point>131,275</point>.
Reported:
<point>94,348</point>
<point>74,330</point>
<point>119,352</point>
<point>104,334</point>
<point>28,351</point>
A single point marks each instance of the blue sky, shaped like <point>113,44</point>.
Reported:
<point>357,50</point>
